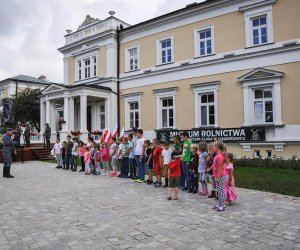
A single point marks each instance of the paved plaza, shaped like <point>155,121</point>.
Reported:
<point>46,208</point>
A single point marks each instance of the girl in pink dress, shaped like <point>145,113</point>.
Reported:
<point>229,183</point>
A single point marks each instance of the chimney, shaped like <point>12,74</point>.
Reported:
<point>42,77</point>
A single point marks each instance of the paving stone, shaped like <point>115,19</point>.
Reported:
<point>46,208</point>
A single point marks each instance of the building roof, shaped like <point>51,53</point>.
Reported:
<point>29,79</point>
<point>194,5</point>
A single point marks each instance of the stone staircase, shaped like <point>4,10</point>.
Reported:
<point>42,154</point>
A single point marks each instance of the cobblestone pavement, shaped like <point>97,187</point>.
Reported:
<point>46,208</point>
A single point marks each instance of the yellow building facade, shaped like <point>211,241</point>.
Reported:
<point>215,66</point>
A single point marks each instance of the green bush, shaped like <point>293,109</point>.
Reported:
<point>274,162</point>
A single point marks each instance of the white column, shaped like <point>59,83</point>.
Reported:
<point>247,113</point>
<point>111,59</point>
<point>66,65</point>
<point>53,121</point>
<point>277,104</point>
<point>83,118</point>
<point>65,128</point>
<point>71,113</point>
<point>42,120</point>
<point>108,114</point>
<point>66,113</point>
<point>47,112</point>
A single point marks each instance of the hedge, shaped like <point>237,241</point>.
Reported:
<point>274,162</point>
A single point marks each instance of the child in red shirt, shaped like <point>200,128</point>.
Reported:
<point>157,161</point>
<point>174,175</point>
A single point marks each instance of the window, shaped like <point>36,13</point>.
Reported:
<point>133,59</point>
<point>102,116</point>
<point>206,103</point>
<point>269,153</point>
<point>165,51</point>
<point>263,105</point>
<point>133,110</point>
<point>87,68</point>
<point>256,154</point>
<point>95,66</point>
<point>258,24</point>
<point>207,109</point>
<point>134,114</point>
<point>166,107</point>
<point>79,70</point>
<point>259,30</point>
<point>262,97</point>
<point>204,41</point>
<point>167,113</point>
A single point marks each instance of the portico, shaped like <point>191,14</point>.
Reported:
<point>83,108</point>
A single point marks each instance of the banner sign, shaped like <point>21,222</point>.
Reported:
<point>249,134</point>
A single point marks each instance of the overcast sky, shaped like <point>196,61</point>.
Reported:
<point>32,30</point>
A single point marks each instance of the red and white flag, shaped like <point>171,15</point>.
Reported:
<point>104,134</point>
<point>108,137</point>
<point>115,133</point>
<point>122,133</point>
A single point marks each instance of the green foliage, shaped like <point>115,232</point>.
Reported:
<point>27,107</point>
<point>274,162</point>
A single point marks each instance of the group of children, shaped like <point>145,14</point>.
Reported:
<point>182,167</point>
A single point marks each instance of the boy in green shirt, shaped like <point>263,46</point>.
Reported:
<point>186,156</point>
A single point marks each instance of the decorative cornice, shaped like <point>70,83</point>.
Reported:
<point>165,90</point>
<point>179,14</point>
<point>204,84</point>
<point>257,5</point>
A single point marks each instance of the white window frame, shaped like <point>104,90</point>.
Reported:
<point>136,97</point>
<point>199,90</point>
<point>263,100</point>
<point>160,95</point>
<point>159,50</point>
<point>127,58</point>
<point>82,59</point>
<point>248,89</point>
<point>197,40</point>
<point>250,14</point>
<point>102,113</point>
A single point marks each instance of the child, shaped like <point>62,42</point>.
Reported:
<point>193,168</point>
<point>186,156</point>
<point>219,174</point>
<point>105,158</point>
<point>139,153</point>
<point>174,173</point>
<point>202,167</point>
<point>166,155</point>
<point>92,151</point>
<point>63,154</point>
<point>113,155</point>
<point>149,161</point>
<point>209,163</point>
<point>74,155</point>
<point>123,156</point>
<point>81,154</point>
<point>87,160</point>
<point>57,148</point>
<point>229,183</point>
<point>97,160</point>
<point>157,162</point>
<point>132,161</point>
<point>178,147</point>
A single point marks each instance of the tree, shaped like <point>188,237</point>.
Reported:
<point>26,107</point>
